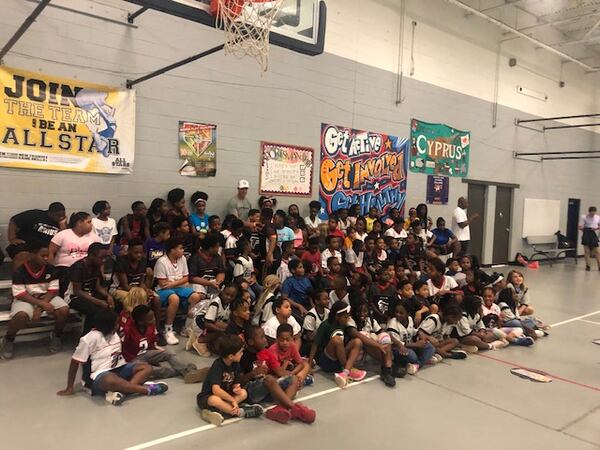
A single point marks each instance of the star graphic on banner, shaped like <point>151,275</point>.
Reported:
<point>388,145</point>
<point>322,211</point>
<point>376,186</point>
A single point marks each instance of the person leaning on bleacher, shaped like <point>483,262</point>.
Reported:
<point>35,291</point>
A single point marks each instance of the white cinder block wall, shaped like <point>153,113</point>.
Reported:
<point>352,84</point>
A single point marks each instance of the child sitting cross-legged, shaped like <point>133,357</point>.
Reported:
<point>262,387</point>
<point>471,331</point>
<point>222,395</point>
<point>330,351</point>
<point>110,375</point>
<point>139,345</point>
<point>436,329</point>
<point>283,358</point>
<point>313,320</point>
<point>491,316</point>
<point>282,310</point>
<point>416,305</point>
<point>402,331</point>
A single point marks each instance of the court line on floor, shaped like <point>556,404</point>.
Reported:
<point>564,322</point>
<point>196,430</point>
<point>589,321</point>
<point>555,377</point>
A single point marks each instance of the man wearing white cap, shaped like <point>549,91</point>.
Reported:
<point>240,205</point>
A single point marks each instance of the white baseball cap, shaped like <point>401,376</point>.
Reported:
<point>243,184</point>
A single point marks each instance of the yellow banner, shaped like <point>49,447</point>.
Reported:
<point>53,123</point>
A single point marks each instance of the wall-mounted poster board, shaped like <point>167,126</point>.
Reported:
<point>541,217</point>
<point>286,169</point>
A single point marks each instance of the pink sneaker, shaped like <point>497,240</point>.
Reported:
<point>357,374</point>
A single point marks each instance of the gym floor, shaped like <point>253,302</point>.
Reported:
<point>471,404</point>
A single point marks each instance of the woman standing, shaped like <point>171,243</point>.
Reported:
<point>589,224</point>
<point>70,245</point>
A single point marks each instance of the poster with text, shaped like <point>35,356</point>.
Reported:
<point>438,149</point>
<point>198,149</point>
<point>438,189</point>
<point>362,167</point>
<point>286,169</point>
<point>53,123</point>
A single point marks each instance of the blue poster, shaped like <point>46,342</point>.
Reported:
<point>438,189</point>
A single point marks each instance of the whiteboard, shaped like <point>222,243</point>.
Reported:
<point>540,217</point>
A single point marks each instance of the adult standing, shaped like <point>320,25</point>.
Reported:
<point>589,224</point>
<point>460,225</point>
<point>239,205</point>
<point>31,228</point>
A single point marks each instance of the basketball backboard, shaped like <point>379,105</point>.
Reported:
<point>299,25</point>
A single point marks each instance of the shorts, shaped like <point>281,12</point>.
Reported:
<point>182,292</point>
<point>14,249</point>
<point>328,365</point>
<point>125,372</point>
<point>259,393</point>
<point>21,306</point>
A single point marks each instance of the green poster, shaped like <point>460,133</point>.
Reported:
<point>437,149</point>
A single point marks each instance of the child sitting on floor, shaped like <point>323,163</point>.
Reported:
<point>139,345</point>
<point>380,295</point>
<point>416,307</point>
<point>402,331</point>
<point>211,319</point>
<point>330,351</point>
<point>262,387</point>
<point>313,320</point>
<point>282,310</point>
<point>297,288</point>
<point>491,318</point>
<point>222,395</point>
<point>110,375</point>
<point>239,318</point>
<point>340,291</point>
<point>283,359</point>
<point>471,331</point>
<point>263,310</point>
<point>436,329</point>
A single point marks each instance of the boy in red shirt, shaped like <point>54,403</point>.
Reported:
<point>139,345</point>
<point>313,256</point>
<point>283,359</point>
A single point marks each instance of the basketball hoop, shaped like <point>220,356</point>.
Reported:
<point>247,24</point>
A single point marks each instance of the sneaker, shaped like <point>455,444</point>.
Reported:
<point>539,333</point>
<point>524,341</point>
<point>458,354</point>
<point>303,413</point>
<point>279,414</point>
<point>357,374</point>
<point>387,377</point>
<point>469,348</point>
<point>156,387</point>
<point>309,380</point>
<point>8,349</point>
<point>189,344</point>
<point>213,417</point>
<point>251,411</point>
<point>170,338</point>
<point>195,375</point>
<point>55,345</point>
<point>114,398</point>
<point>499,344</point>
<point>411,369</point>
<point>398,371</point>
<point>341,379</point>
<point>202,349</point>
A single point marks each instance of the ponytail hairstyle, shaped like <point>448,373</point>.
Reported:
<point>77,217</point>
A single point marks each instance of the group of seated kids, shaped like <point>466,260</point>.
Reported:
<point>270,293</point>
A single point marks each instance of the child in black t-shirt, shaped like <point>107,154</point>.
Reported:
<point>130,270</point>
<point>156,246</point>
<point>416,305</point>
<point>239,318</point>
<point>182,232</point>
<point>222,392</point>
<point>380,295</point>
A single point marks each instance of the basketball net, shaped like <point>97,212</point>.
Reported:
<point>247,24</point>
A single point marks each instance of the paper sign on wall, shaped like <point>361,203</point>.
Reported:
<point>438,189</point>
<point>198,149</point>
<point>286,169</point>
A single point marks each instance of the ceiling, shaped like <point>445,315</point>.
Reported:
<point>571,27</point>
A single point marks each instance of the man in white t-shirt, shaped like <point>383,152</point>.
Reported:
<point>460,224</point>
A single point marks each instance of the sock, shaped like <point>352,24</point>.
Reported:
<point>490,346</point>
<point>168,328</point>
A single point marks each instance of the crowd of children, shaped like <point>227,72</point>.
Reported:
<point>270,293</point>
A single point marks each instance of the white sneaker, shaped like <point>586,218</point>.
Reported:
<point>114,398</point>
<point>170,338</point>
<point>539,333</point>
<point>411,369</point>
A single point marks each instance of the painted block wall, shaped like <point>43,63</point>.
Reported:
<point>286,105</point>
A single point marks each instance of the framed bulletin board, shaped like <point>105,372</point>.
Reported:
<point>286,169</point>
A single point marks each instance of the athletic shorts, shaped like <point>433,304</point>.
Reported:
<point>21,306</point>
<point>259,393</point>
<point>125,372</point>
<point>328,365</point>
<point>183,293</point>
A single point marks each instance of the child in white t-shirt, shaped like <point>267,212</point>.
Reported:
<point>110,375</point>
<point>103,225</point>
<point>282,310</point>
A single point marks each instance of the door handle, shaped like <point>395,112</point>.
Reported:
<point>508,229</point>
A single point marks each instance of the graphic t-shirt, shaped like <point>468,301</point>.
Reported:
<point>154,250</point>
<point>36,284</point>
<point>72,248</point>
<point>222,375</point>
<point>87,277</point>
<point>35,226</point>
<point>136,343</point>
<point>103,351</point>
<point>199,223</point>
<point>105,229</point>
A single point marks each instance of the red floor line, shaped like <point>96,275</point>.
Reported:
<point>555,377</point>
